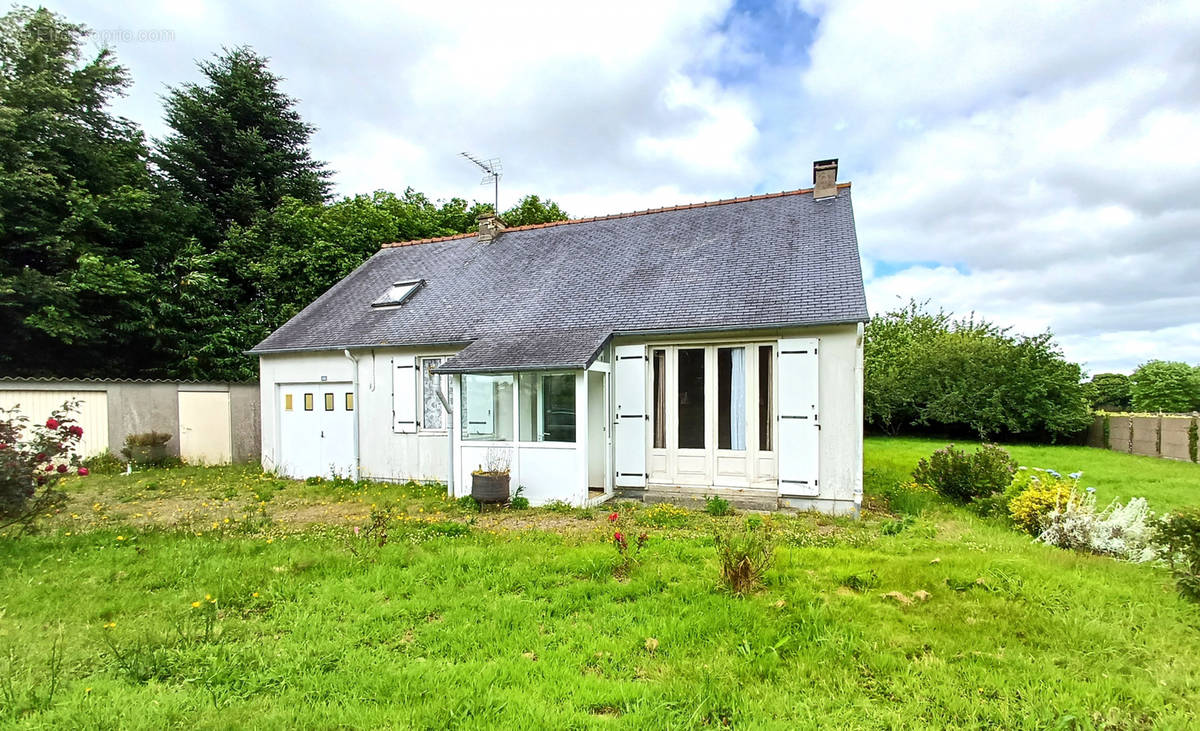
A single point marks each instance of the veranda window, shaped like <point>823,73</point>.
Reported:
<point>487,407</point>
<point>547,407</point>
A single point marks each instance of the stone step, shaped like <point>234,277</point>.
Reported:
<point>693,497</point>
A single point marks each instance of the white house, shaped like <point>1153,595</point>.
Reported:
<point>697,349</point>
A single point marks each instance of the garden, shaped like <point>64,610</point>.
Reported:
<point>971,592</point>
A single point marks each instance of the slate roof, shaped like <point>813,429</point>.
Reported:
<point>539,296</point>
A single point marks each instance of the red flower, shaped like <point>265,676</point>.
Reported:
<point>83,471</point>
<point>62,469</point>
<point>3,445</point>
<point>612,517</point>
<point>51,423</point>
<point>41,457</point>
<point>49,468</point>
<point>75,430</point>
<point>618,537</point>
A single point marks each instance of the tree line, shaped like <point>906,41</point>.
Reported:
<point>122,256</point>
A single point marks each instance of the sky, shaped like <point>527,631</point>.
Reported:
<point>1035,163</point>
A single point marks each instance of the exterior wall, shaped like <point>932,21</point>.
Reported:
<point>382,453</point>
<point>1158,435</point>
<point>840,408</point>
<point>135,407</point>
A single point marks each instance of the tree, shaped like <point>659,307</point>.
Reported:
<point>1161,385</point>
<point>238,145</point>
<point>1111,391</point>
<point>531,210</point>
<point>928,369</point>
<point>81,216</point>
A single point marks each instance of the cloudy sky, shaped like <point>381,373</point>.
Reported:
<point>1038,163</point>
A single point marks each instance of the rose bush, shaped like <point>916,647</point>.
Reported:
<point>33,459</point>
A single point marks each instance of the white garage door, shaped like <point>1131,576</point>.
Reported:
<point>316,429</point>
<point>204,427</point>
<point>92,416</point>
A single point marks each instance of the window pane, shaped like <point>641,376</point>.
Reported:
<point>660,399</point>
<point>308,402</point>
<point>287,402</point>
<point>487,403</point>
<point>731,398</point>
<point>433,416</point>
<point>329,402</point>
<point>547,406</point>
<point>691,398</point>
<point>349,402</point>
<point>766,361</point>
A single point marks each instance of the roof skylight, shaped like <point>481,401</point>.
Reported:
<point>398,293</point>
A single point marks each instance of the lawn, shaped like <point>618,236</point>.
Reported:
<point>221,597</point>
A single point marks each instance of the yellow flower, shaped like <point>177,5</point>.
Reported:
<point>270,540</point>
<point>120,538</point>
<point>110,625</point>
<point>208,597</point>
<point>195,604</point>
<point>87,690</point>
<point>255,595</point>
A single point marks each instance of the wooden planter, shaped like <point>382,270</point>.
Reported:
<point>489,487</point>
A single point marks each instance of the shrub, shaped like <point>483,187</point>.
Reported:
<point>518,501</point>
<point>1120,531</point>
<point>744,555</point>
<point>1178,538</point>
<point>964,477</point>
<point>1034,494</point>
<point>1193,441</point>
<point>33,459</point>
<point>105,463</point>
<point>716,505</point>
<point>468,503</point>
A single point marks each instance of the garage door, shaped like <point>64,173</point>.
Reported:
<point>204,427</point>
<point>92,416</point>
<point>316,429</point>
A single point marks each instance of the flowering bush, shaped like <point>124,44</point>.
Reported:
<point>1034,493</point>
<point>966,477</point>
<point>33,459</point>
<point>627,555</point>
<point>1121,531</point>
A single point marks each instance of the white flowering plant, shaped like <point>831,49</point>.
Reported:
<point>1122,531</point>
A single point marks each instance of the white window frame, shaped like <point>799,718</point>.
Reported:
<point>539,395</point>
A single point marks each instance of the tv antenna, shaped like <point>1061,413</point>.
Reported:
<point>492,170</point>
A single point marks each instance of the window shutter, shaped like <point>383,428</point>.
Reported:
<point>404,394</point>
<point>799,430</point>
<point>629,432</point>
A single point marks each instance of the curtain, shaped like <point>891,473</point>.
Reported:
<point>737,399</point>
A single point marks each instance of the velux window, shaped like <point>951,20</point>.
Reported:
<point>398,293</point>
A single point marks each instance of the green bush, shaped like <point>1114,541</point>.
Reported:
<point>1170,386</point>
<point>744,555</point>
<point>519,501</point>
<point>468,503</point>
<point>716,505</point>
<point>105,463</point>
<point>966,477</point>
<point>1193,440</point>
<point>1177,536</point>
<point>1033,494</point>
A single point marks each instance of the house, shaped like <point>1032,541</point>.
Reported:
<point>671,353</point>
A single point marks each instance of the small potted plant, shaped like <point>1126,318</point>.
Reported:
<point>146,449</point>
<point>489,481</point>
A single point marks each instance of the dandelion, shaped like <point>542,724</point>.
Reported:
<point>195,605</point>
<point>255,595</point>
<point>120,538</point>
<point>208,597</point>
<point>110,625</point>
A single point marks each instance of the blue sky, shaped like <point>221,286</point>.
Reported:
<point>1027,161</point>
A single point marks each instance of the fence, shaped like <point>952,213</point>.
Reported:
<point>1171,436</point>
<point>211,423</point>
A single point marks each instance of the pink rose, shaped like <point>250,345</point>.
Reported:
<point>83,471</point>
<point>51,423</point>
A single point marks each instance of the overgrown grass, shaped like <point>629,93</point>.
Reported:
<point>519,623</point>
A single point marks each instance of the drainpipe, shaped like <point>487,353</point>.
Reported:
<point>357,408</point>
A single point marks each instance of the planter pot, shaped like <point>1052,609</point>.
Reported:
<point>148,455</point>
<point>489,488</point>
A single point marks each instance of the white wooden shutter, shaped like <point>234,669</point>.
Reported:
<point>629,432</point>
<point>404,394</point>
<point>799,429</point>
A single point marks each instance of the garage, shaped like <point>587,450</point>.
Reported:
<point>316,429</point>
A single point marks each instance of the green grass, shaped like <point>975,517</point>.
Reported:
<point>519,623</point>
<point>1166,484</point>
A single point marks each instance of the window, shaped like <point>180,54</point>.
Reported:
<point>349,402</point>
<point>433,416</point>
<point>487,403</point>
<point>398,293</point>
<point>765,407</point>
<point>731,398</point>
<point>691,398</point>
<point>659,364</point>
<point>308,402</point>
<point>547,404</point>
<point>329,402</point>
<point>287,402</point>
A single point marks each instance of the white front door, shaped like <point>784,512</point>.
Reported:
<point>316,429</point>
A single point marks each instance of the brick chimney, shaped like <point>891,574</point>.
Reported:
<point>825,178</point>
<point>490,226</point>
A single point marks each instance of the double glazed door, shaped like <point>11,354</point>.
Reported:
<point>712,414</point>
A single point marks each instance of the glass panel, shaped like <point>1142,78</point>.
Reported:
<point>731,398</point>
<point>433,416</point>
<point>287,402</point>
<point>349,402</point>
<point>547,407</point>
<point>766,361</point>
<point>660,398</point>
<point>691,398</point>
<point>329,402</point>
<point>308,402</point>
<point>487,403</point>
